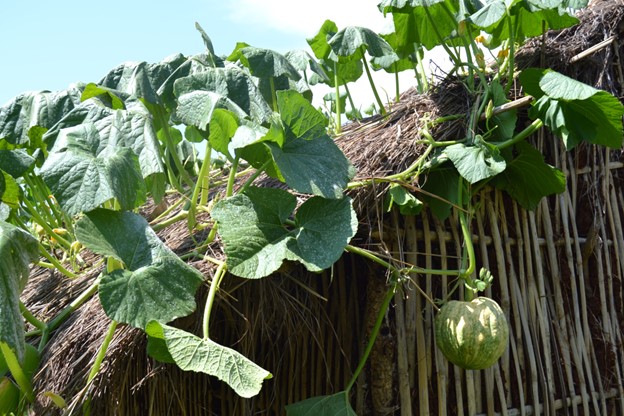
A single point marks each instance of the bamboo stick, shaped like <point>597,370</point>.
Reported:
<point>559,404</point>
<point>560,317</point>
<point>421,348</point>
<point>411,245</point>
<point>542,314</point>
<point>577,332</point>
<point>441,363</point>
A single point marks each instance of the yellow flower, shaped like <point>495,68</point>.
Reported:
<point>480,39</point>
<point>503,53</point>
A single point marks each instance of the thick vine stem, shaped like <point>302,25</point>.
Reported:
<point>337,99</point>
<point>373,336</point>
<point>382,109</point>
<point>202,182</point>
<point>97,364</point>
<point>214,287</point>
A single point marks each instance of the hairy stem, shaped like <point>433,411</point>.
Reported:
<point>373,336</point>
<point>382,109</point>
<point>214,287</point>
<point>99,358</point>
<point>337,99</point>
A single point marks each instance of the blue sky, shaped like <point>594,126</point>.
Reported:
<point>50,45</point>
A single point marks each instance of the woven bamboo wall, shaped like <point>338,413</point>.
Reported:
<point>558,276</point>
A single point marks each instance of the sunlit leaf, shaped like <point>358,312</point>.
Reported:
<point>17,250</point>
<point>257,237</point>
<point>192,353</point>
<point>155,283</point>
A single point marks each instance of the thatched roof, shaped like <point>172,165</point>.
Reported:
<point>290,314</point>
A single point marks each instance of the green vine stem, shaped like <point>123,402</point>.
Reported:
<point>214,287</point>
<point>55,263</point>
<point>465,226</point>
<point>337,99</point>
<point>529,130</point>
<point>231,179</point>
<point>373,336</point>
<point>30,318</point>
<point>512,52</point>
<point>99,358</point>
<point>34,213</point>
<point>382,109</point>
<point>350,98</point>
<point>170,146</point>
<point>202,182</point>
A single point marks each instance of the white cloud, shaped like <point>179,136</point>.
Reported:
<point>305,18</point>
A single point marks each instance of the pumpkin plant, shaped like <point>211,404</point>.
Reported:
<point>74,176</point>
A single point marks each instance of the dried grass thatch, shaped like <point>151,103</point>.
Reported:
<point>559,276</point>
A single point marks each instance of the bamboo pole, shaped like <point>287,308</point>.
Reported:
<point>441,363</point>
<point>559,314</point>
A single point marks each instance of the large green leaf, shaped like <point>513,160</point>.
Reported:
<point>230,82</point>
<point>575,111</point>
<point>257,236</point>
<point>15,162</point>
<point>132,128</point>
<point>424,22</point>
<point>528,20</point>
<point>440,188</point>
<point>528,178</point>
<point>353,40</point>
<point>313,166</point>
<point>154,285</point>
<point>477,162</point>
<point>320,42</point>
<point>10,191</point>
<point>302,61</point>
<point>300,118</point>
<point>192,353</point>
<point>223,125</point>
<point>348,70</point>
<point>17,250</point>
<point>264,63</point>
<point>86,169</point>
<point>193,65</point>
<point>141,79</point>
<point>196,108</point>
<point>29,110</point>
<point>334,405</point>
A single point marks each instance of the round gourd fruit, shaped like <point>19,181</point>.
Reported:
<point>472,335</point>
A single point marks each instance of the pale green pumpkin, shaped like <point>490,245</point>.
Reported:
<point>472,335</point>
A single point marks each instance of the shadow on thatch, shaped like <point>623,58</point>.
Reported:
<point>559,279</point>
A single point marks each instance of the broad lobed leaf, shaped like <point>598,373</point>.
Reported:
<point>155,283</point>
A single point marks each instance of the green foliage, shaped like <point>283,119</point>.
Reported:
<point>575,111</point>
<point>77,164</point>
<point>528,179</point>
<point>192,353</point>
<point>154,283</point>
<point>258,236</point>
<point>18,249</point>
<point>334,405</point>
